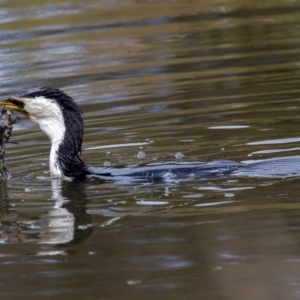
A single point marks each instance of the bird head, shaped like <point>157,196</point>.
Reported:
<point>40,103</point>
<point>60,118</point>
<point>53,110</point>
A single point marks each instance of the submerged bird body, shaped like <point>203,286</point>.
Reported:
<point>60,118</point>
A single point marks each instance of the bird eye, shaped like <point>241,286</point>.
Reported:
<point>16,102</point>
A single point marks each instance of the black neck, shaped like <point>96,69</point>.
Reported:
<point>71,163</point>
<point>69,150</point>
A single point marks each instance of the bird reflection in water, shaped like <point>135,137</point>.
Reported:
<point>66,222</point>
<point>11,231</point>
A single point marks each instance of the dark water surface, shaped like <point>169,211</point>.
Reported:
<point>206,79</point>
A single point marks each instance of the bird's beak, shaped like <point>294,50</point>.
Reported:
<point>13,107</point>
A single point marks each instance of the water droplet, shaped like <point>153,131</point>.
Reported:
<point>134,281</point>
<point>179,155</point>
<point>228,195</point>
<point>141,154</point>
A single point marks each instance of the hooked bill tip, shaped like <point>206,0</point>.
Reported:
<point>13,107</point>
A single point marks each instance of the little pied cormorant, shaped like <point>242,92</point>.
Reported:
<point>60,118</point>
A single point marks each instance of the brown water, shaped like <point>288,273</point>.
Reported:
<point>208,79</point>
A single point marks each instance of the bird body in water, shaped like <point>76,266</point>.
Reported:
<point>60,118</point>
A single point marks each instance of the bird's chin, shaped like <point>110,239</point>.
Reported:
<point>13,107</point>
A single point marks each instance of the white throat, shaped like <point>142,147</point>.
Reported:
<point>49,116</point>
